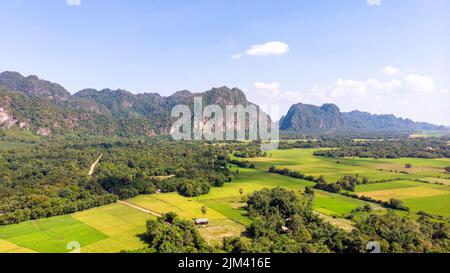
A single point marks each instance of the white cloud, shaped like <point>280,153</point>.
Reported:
<point>356,89</point>
<point>236,56</point>
<point>390,70</point>
<point>273,86</point>
<point>384,86</point>
<point>374,2</point>
<point>419,84</point>
<point>73,2</point>
<point>347,88</point>
<point>271,93</point>
<point>444,91</point>
<point>270,48</point>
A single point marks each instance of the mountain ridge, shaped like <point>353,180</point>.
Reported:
<point>47,108</point>
<point>328,117</point>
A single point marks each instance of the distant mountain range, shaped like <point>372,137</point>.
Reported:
<point>328,117</point>
<point>47,108</point>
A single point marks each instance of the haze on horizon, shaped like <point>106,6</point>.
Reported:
<point>380,56</point>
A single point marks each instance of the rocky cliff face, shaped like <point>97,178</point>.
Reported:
<point>6,120</point>
<point>304,117</point>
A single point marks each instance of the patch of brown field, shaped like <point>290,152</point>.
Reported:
<point>403,193</point>
<point>263,159</point>
<point>8,247</point>
<point>236,204</point>
<point>438,180</point>
<point>216,230</point>
<point>399,167</point>
<point>342,223</point>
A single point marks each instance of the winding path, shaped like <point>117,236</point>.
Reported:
<point>139,208</point>
<point>92,169</point>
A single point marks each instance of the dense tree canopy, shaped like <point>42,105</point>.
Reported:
<point>286,223</point>
<point>170,234</point>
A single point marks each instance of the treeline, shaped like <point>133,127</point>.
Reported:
<point>391,204</point>
<point>282,222</point>
<point>249,150</point>
<point>347,183</point>
<point>242,163</point>
<point>418,148</point>
<point>293,174</point>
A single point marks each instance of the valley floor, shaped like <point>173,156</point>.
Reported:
<point>119,226</point>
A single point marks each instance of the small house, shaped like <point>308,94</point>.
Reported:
<point>201,221</point>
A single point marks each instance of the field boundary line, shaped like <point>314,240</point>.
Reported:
<point>139,208</point>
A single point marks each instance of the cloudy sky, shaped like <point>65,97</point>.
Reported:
<point>381,56</point>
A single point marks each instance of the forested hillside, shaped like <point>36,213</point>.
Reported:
<point>46,108</point>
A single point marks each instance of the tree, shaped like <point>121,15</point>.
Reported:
<point>309,191</point>
<point>447,169</point>
<point>408,166</point>
<point>170,217</point>
<point>241,191</point>
<point>397,204</point>
<point>204,210</point>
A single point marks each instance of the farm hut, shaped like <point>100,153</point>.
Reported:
<point>201,221</point>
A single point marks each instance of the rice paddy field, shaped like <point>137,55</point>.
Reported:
<point>117,227</point>
<point>110,228</point>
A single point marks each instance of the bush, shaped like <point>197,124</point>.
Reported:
<point>397,204</point>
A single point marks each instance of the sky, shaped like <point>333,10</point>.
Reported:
<point>380,56</point>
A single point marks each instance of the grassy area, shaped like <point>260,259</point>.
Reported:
<point>387,186</point>
<point>109,228</point>
<point>430,198</point>
<point>438,205</point>
<point>50,235</point>
<point>333,169</point>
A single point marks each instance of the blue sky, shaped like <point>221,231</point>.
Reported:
<point>389,56</point>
